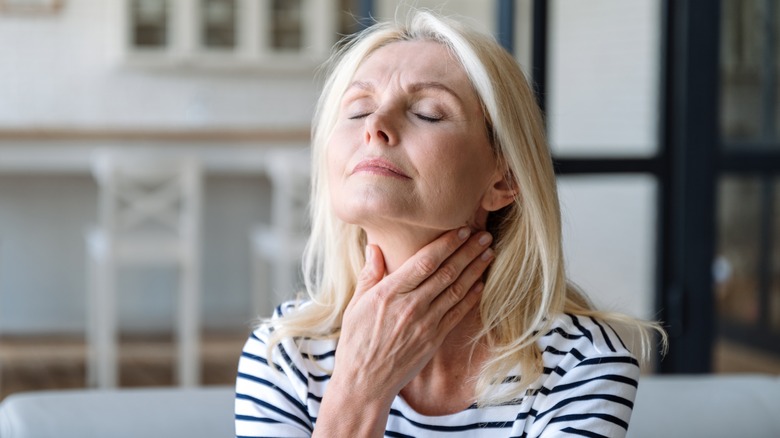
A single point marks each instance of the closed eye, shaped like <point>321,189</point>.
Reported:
<point>430,119</point>
<point>359,116</point>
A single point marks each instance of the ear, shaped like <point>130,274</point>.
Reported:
<point>501,192</point>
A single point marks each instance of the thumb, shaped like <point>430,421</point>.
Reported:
<point>373,271</point>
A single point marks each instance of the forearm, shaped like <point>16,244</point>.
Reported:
<point>353,410</point>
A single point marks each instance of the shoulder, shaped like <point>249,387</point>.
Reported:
<point>590,378</point>
<point>300,354</point>
<point>583,347</point>
<point>280,383</point>
<point>583,337</point>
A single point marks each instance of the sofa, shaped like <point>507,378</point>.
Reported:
<point>666,406</point>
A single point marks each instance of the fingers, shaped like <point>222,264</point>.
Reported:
<point>456,313</point>
<point>450,283</point>
<point>373,271</point>
<point>426,262</point>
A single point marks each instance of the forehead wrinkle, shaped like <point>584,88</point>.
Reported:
<point>362,85</point>
<point>415,80</point>
<point>417,87</point>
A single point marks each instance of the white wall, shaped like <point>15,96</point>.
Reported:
<point>66,70</point>
<point>604,77</point>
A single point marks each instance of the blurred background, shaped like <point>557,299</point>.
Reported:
<point>663,124</point>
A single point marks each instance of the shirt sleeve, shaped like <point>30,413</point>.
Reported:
<point>595,398</point>
<point>271,396</point>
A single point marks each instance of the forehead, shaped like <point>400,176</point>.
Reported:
<point>414,61</point>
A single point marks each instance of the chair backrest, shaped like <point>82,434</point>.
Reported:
<point>149,195</point>
<point>290,173</point>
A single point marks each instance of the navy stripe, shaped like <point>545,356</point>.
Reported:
<point>574,352</point>
<point>580,432</point>
<point>611,377</point>
<point>274,408</point>
<point>279,390</point>
<point>392,434</point>
<point>609,359</point>
<point>563,333</point>
<point>292,365</point>
<point>584,331</point>
<point>464,427</point>
<point>606,336</point>
<point>321,378</point>
<point>579,417</point>
<point>524,415</point>
<point>260,359</point>
<point>257,419</point>
<point>323,356</point>
<point>608,397</point>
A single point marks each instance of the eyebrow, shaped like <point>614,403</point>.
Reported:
<point>414,87</point>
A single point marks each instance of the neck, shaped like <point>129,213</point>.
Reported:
<point>447,384</point>
<point>398,247</point>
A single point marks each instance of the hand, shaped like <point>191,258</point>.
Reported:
<point>393,325</point>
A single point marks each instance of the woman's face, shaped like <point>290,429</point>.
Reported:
<point>410,145</point>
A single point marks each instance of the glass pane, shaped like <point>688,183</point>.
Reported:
<point>736,265</point>
<point>774,297</point>
<point>749,82</point>
<point>609,236</point>
<point>287,27</point>
<point>219,22</point>
<point>149,26</point>
<point>604,64</point>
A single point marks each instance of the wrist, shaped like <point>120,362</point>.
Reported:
<point>350,408</point>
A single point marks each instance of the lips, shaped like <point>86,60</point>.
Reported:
<point>379,166</point>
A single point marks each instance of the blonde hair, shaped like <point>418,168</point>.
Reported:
<point>526,284</point>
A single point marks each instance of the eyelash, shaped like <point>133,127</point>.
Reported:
<point>422,117</point>
<point>428,118</point>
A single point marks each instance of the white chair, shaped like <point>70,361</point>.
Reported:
<point>149,215</point>
<point>279,245</point>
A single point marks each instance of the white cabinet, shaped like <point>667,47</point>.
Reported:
<point>274,35</point>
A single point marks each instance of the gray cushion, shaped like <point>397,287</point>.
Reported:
<point>666,406</point>
<point>148,413</point>
<point>707,406</point>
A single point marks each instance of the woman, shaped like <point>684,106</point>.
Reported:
<point>437,298</point>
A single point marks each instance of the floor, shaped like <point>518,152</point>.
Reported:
<point>37,363</point>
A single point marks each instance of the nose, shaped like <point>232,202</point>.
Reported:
<point>379,128</point>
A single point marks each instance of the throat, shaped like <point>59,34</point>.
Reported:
<point>447,385</point>
<point>439,399</point>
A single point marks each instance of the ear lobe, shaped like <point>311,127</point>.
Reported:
<point>499,195</point>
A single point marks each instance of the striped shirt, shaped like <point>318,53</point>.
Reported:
<point>587,389</point>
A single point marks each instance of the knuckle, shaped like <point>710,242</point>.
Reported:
<point>452,317</point>
<point>425,266</point>
<point>457,290</point>
<point>382,294</point>
<point>365,276</point>
<point>447,274</point>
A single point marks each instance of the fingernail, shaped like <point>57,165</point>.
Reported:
<point>485,239</point>
<point>478,287</point>
<point>487,255</point>
<point>464,233</point>
<point>368,252</point>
